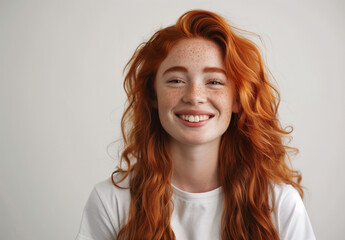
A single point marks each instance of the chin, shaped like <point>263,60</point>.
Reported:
<point>195,140</point>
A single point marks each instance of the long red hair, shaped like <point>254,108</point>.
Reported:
<point>252,154</point>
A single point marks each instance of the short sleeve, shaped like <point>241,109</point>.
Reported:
<point>292,217</point>
<point>95,223</point>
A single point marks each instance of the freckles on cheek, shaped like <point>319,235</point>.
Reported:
<point>168,98</point>
<point>226,100</point>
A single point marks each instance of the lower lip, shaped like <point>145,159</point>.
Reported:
<point>193,124</point>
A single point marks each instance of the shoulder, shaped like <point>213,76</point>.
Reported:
<point>105,210</point>
<point>289,214</point>
<point>107,191</point>
<point>284,193</point>
<point>115,199</point>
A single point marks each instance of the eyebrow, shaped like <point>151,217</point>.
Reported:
<point>175,69</point>
<point>205,70</point>
<point>214,69</point>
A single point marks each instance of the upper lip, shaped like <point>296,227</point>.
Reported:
<point>193,112</point>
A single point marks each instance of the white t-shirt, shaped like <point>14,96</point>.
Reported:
<point>196,216</point>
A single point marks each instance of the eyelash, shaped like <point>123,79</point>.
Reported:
<point>212,82</point>
<point>215,82</point>
<point>175,81</point>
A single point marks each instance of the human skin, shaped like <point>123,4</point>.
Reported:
<point>191,83</point>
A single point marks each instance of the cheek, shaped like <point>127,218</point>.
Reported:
<point>225,102</point>
<point>167,99</point>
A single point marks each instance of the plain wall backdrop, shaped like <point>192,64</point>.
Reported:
<point>61,99</point>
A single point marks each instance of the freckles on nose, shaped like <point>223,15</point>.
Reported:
<point>195,93</point>
<point>197,90</point>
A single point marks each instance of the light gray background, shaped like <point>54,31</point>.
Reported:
<point>61,99</point>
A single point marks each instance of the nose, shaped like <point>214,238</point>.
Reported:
<point>195,94</point>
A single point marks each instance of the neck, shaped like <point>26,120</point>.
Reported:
<point>195,166</point>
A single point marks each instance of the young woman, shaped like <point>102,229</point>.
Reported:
<point>204,156</point>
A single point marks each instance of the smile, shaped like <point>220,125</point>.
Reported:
<point>194,118</point>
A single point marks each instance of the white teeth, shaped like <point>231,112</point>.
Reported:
<point>194,118</point>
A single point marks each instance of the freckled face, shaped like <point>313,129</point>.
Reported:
<point>195,97</point>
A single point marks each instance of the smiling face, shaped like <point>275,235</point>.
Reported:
<point>195,98</point>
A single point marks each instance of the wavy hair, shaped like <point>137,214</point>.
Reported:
<point>252,156</point>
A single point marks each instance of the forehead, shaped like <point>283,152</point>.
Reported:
<point>195,52</point>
